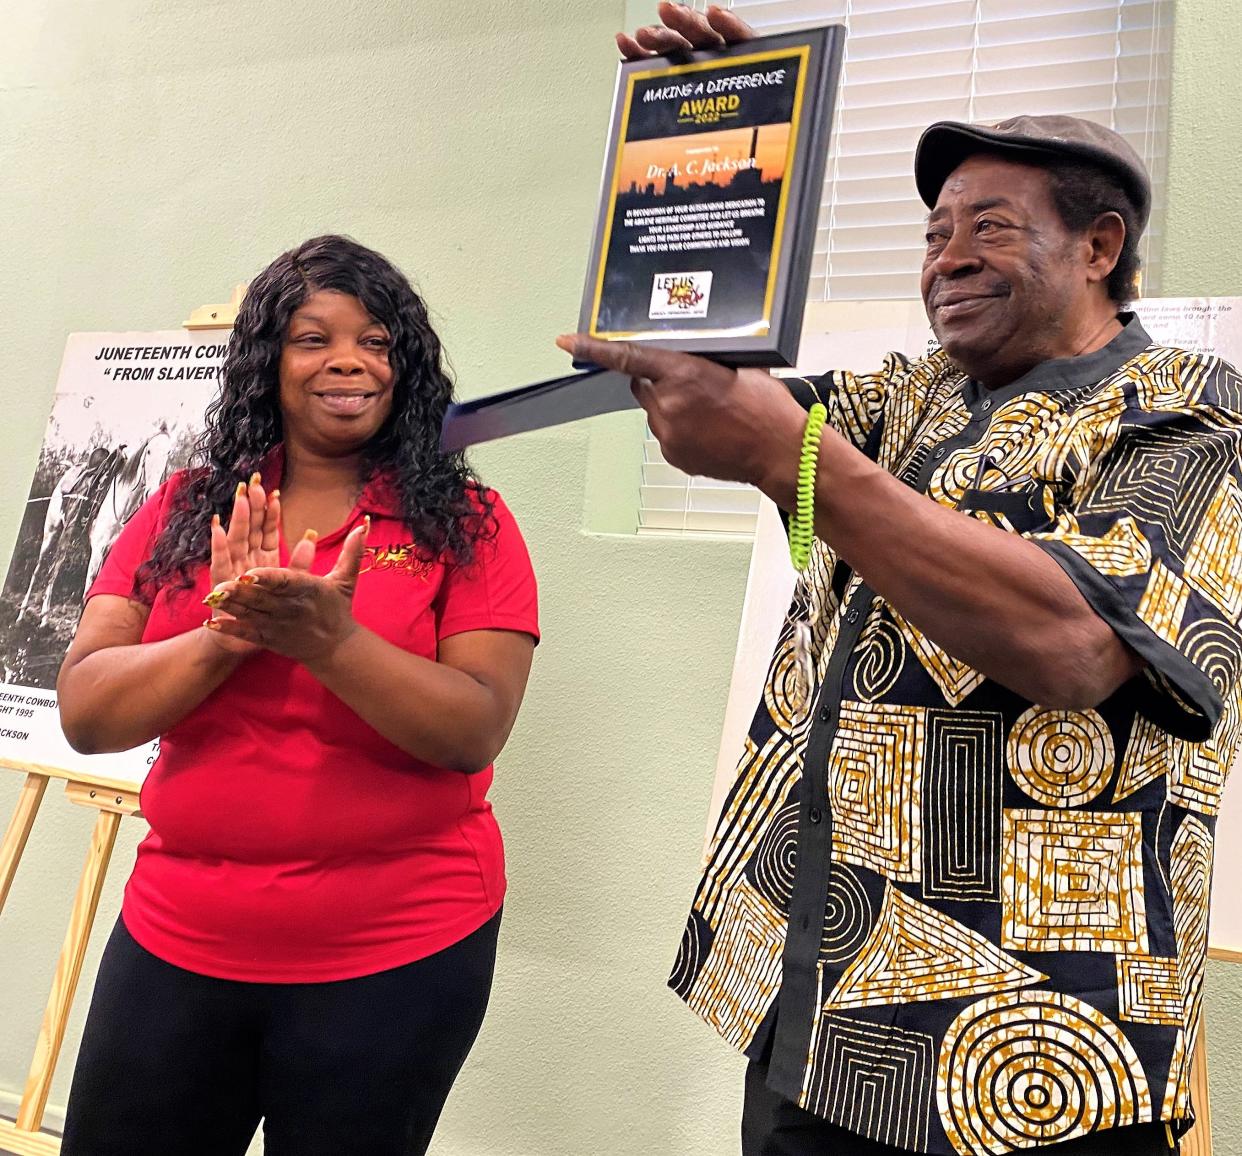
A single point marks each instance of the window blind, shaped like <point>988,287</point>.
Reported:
<point>909,63</point>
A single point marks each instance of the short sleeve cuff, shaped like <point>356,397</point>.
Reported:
<point>1175,694</point>
<point>117,586</point>
<point>462,625</point>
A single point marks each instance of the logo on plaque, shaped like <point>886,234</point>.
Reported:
<point>680,294</point>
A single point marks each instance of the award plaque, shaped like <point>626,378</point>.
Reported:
<point>703,243</point>
<point>711,197</point>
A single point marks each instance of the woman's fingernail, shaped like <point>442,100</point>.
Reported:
<point>256,478</point>
<point>366,521</point>
<point>240,491</point>
<point>216,599</point>
<point>310,536</point>
<point>247,580</point>
<point>211,624</point>
<point>215,520</point>
<point>273,495</point>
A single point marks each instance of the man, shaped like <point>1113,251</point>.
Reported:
<point>957,899</point>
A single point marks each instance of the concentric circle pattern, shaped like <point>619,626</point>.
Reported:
<point>848,916</point>
<point>1033,1068</point>
<point>772,868</point>
<point>1061,758</point>
<point>690,955</point>
<point>1214,650</point>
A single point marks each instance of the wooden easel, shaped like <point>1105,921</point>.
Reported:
<point>113,799</point>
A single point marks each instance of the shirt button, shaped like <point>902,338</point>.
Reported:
<point>816,815</point>
<point>940,451</point>
<point>825,714</point>
<point>987,404</point>
<point>852,616</point>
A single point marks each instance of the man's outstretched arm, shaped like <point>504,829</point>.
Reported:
<point>988,597</point>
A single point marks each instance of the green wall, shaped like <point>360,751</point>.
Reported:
<point>151,155</point>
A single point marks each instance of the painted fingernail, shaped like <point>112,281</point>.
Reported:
<point>366,521</point>
<point>273,495</point>
<point>310,536</point>
<point>240,491</point>
<point>211,624</point>
<point>256,478</point>
<point>247,580</point>
<point>216,599</point>
<point>215,520</point>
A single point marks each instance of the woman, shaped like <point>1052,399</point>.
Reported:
<point>309,931</point>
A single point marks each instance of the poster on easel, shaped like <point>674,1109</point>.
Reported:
<point>125,414</point>
<point>857,335</point>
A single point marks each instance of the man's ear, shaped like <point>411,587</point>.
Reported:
<point>1106,237</point>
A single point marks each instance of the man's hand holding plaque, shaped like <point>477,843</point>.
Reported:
<point>684,30</point>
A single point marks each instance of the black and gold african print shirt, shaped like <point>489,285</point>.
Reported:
<point>961,921</point>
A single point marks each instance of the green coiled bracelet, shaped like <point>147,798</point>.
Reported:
<point>802,521</point>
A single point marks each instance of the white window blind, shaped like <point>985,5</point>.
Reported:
<point>909,63</point>
<point>673,502</point>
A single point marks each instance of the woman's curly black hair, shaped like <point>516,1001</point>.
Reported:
<point>445,508</point>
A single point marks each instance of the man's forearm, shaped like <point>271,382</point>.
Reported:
<point>988,597</point>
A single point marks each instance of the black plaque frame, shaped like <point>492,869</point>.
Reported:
<point>774,337</point>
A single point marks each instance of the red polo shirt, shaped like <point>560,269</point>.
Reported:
<point>290,842</point>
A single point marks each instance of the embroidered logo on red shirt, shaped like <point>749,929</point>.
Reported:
<point>397,556</point>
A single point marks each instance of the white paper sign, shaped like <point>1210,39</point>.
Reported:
<point>126,411</point>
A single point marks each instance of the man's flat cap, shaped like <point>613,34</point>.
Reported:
<point>1031,140</point>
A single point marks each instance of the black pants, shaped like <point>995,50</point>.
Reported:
<point>174,1062</point>
<point>774,1126</point>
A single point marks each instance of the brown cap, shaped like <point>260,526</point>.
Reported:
<point>1034,140</point>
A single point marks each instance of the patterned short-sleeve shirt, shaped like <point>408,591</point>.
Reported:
<point>960,921</point>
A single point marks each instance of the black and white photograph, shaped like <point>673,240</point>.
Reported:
<point>125,414</point>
